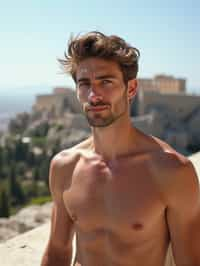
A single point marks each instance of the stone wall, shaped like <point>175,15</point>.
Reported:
<point>182,105</point>
<point>58,102</point>
<point>171,117</point>
<point>163,83</point>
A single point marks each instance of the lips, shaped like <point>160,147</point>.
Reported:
<point>97,108</point>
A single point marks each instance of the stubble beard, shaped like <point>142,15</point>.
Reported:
<point>98,120</point>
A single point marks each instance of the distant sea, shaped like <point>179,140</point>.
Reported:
<point>13,102</point>
<point>11,105</point>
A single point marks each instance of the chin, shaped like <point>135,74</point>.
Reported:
<point>102,123</point>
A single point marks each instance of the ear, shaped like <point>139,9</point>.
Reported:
<point>132,88</point>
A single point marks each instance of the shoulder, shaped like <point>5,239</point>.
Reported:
<point>163,158</point>
<point>62,166</point>
<point>167,161</point>
<point>166,156</point>
<point>69,157</point>
<point>175,174</point>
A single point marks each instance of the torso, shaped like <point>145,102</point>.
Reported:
<point>118,211</point>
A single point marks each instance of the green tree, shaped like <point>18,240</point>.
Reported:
<point>44,169</point>
<point>4,204</point>
<point>21,168</point>
<point>30,159</point>
<point>21,150</point>
<point>33,189</point>
<point>16,191</point>
<point>36,174</point>
<point>1,155</point>
<point>1,163</point>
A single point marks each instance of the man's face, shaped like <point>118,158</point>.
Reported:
<point>101,91</point>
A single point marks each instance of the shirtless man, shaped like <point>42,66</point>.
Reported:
<point>125,194</point>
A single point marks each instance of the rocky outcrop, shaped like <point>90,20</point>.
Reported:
<point>27,249</point>
<point>25,220</point>
<point>70,129</point>
<point>162,122</point>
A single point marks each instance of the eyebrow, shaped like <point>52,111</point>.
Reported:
<point>105,77</point>
<point>97,78</point>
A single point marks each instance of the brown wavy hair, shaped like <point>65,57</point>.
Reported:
<point>97,44</point>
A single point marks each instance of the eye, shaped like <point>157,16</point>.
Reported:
<point>83,85</point>
<point>106,81</point>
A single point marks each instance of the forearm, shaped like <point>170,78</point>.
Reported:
<point>56,258</point>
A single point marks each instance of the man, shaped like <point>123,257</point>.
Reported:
<point>125,194</point>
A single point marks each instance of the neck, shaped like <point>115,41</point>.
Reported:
<point>114,140</point>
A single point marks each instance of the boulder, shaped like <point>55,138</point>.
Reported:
<point>26,219</point>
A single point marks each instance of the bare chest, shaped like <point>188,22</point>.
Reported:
<point>113,196</point>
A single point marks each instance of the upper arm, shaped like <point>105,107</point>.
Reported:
<point>183,215</point>
<point>62,227</point>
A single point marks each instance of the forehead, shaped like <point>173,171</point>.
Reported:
<point>92,67</point>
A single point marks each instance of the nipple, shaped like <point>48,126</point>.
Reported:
<point>137,226</point>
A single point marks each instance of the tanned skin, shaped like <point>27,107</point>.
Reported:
<point>125,194</point>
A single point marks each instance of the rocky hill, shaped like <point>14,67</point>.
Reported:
<point>26,219</point>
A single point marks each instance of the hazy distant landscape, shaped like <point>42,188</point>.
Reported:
<point>13,102</point>
<point>11,105</point>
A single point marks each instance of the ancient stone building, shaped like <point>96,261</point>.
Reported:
<point>163,84</point>
<point>172,117</point>
<point>62,99</point>
<point>181,105</point>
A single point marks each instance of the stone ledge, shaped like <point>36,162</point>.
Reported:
<point>27,249</point>
<point>195,159</point>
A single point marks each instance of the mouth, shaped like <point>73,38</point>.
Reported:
<point>97,108</point>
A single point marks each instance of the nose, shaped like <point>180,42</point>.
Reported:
<point>94,97</point>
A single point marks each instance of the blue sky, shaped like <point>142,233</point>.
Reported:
<point>34,33</point>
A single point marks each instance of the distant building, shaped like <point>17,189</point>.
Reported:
<point>181,105</point>
<point>146,84</point>
<point>62,99</point>
<point>163,84</point>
